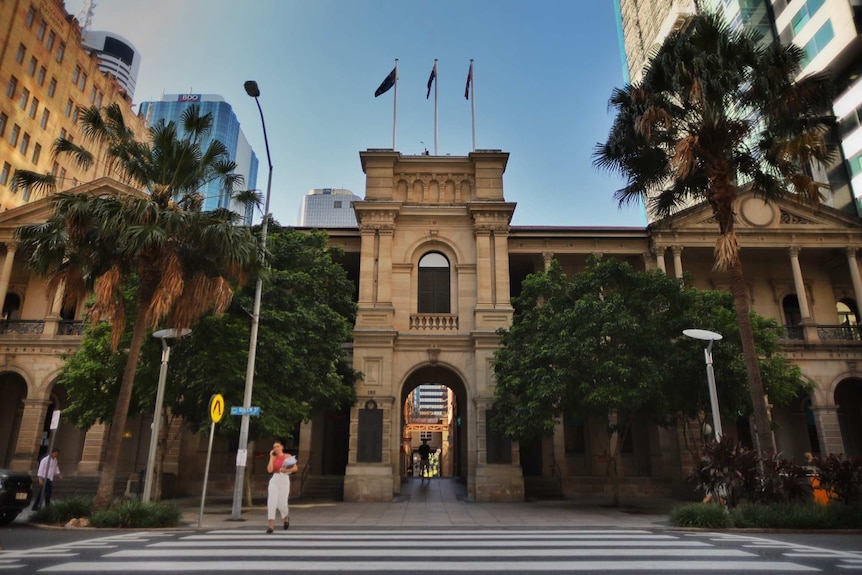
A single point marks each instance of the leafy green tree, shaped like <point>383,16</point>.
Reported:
<point>716,113</point>
<point>608,344</point>
<point>307,313</point>
<point>182,260</point>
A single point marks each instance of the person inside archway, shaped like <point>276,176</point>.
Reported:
<point>424,454</point>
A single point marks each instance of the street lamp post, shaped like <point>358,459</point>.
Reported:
<point>164,335</point>
<point>711,337</point>
<point>252,90</point>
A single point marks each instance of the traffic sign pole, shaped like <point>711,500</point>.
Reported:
<point>216,413</point>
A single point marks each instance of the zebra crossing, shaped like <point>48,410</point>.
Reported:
<point>426,551</point>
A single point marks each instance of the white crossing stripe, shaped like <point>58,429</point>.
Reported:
<point>454,552</point>
<point>436,566</point>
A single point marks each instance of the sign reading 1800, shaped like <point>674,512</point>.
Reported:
<point>244,410</point>
<point>189,98</point>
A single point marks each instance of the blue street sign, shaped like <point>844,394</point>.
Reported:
<point>235,410</point>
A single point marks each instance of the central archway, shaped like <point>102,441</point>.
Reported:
<point>444,427</point>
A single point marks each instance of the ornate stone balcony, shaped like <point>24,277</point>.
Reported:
<point>434,322</point>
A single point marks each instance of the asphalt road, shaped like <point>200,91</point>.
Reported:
<point>29,550</point>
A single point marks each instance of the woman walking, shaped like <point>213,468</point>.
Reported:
<point>281,465</point>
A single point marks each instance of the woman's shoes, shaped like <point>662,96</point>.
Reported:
<point>287,525</point>
<point>268,530</point>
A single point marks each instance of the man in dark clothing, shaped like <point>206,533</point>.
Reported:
<point>424,453</point>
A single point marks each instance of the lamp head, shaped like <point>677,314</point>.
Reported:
<point>251,88</point>
<point>703,334</point>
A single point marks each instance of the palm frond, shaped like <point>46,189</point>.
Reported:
<point>43,184</point>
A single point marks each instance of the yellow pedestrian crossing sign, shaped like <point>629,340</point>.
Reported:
<point>216,407</point>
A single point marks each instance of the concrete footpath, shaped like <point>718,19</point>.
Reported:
<point>441,503</point>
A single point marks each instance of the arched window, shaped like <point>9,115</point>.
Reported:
<point>12,306</point>
<point>434,284</point>
<point>846,309</point>
<point>792,313</point>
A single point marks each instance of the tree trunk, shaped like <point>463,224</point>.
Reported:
<point>613,455</point>
<point>764,438</point>
<point>105,491</point>
<point>249,468</point>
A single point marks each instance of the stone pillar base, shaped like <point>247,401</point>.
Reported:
<point>499,483</point>
<point>368,482</point>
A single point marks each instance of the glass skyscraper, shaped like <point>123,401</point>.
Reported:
<point>328,208</point>
<point>225,128</point>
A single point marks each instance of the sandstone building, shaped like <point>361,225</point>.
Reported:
<point>436,261</point>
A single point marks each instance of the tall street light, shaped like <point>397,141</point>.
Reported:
<point>252,90</point>
<point>711,337</point>
<point>164,335</point>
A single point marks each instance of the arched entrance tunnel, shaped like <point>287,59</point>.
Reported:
<point>433,401</point>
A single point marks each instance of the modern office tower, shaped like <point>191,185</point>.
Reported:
<point>225,128</point>
<point>643,25</point>
<point>828,32</point>
<point>825,29</point>
<point>117,57</point>
<point>431,400</point>
<point>46,74</point>
<point>328,208</point>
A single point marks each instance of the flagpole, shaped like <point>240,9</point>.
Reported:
<point>436,83</point>
<point>473,102</point>
<point>395,106</point>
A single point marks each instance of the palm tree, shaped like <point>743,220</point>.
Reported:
<point>181,260</point>
<point>719,112</point>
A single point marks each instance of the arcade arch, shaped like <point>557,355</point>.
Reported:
<point>447,426</point>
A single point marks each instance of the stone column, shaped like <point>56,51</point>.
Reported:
<point>501,269</point>
<point>53,318</point>
<point>384,266</point>
<point>677,261</point>
<point>484,281</point>
<point>799,284</point>
<point>659,258</point>
<point>368,267</point>
<point>853,264</point>
<point>30,435</point>
<point>809,326</point>
<point>828,428</point>
<point>94,448</point>
<point>547,258</point>
<point>6,272</point>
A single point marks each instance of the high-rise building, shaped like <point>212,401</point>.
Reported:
<point>47,74</point>
<point>430,400</point>
<point>826,30</point>
<point>328,208</point>
<point>225,128</point>
<point>117,57</point>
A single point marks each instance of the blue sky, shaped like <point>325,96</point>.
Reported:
<point>544,71</point>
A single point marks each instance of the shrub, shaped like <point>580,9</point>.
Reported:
<point>727,468</point>
<point>783,481</point>
<point>840,476</point>
<point>771,516</point>
<point>781,516</point>
<point>706,515</point>
<point>135,513</point>
<point>62,510</point>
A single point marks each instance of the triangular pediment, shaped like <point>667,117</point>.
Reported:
<point>755,215</point>
<point>39,210</point>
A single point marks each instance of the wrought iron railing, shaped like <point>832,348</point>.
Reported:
<point>845,332</point>
<point>434,321</point>
<point>792,332</point>
<point>22,326</point>
<point>37,327</point>
<point>70,327</point>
